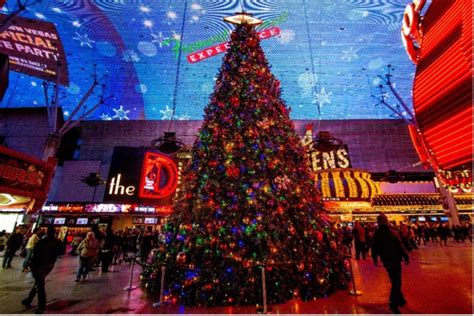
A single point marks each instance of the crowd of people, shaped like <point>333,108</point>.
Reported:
<point>98,248</point>
<point>412,235</point>
<point>104,247</point>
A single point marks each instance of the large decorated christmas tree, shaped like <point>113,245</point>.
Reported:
<point>249,200</point>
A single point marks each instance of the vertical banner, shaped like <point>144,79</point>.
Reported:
<point>34,48</point>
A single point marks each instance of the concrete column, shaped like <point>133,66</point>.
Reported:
<point>449,202</point>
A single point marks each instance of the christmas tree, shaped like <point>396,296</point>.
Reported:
<point>249,200</point>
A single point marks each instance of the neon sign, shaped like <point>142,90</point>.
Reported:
<point>410,32</point>
<point>152,185</point>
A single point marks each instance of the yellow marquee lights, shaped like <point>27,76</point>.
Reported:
<point>325,190</point>
<point>336,176</point>
<point>351,184</point>
<point>363,185</point>
<point>374,186</point>
<point>346,185</point>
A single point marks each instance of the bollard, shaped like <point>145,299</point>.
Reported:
<point>162,288</point>
<point>130,287</point>
<point>354,290</point>
<point>264,292</point>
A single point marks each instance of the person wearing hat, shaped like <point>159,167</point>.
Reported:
<point>388,246</point>
<point>44,257</point>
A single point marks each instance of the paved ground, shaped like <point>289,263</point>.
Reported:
<point>438,280</point>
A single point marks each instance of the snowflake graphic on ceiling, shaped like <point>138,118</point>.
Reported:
<point>105,117</point>
<point>176,36</point>
<point>184,117</point>
<point>307,81</point>
<point>121,113</point>
<point>286,36</point>
<point>160,39</point>
<point>350,54</point>
<point>196,6</point>
<point>130,56</point>
<point>171,15</point>
<point>83,39</point>
<point>322,97</point>
<point>167,113</point>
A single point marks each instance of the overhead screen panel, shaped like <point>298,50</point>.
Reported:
<point>327,54</point>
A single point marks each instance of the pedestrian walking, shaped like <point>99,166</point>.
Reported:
<point>44,257</point>
<point>30,245</point>
<point>388,246</point>
<point>87,250</point>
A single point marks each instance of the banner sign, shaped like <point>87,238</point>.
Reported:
<point>141,176</point>
<point>24,175</point>
<point>222,48</point>
<point>106,208</point>
<point>34,48</point>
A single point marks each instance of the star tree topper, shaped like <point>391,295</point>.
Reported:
<point>243,18</point>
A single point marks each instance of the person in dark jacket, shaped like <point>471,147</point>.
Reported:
<point>14,243</point>
<point>388,246</point>
<point>106,253</point>
<point>44,257</point>
<point>146,243</point>
<point>359,239</point>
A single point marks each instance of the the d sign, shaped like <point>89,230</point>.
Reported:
<point>159,176</point>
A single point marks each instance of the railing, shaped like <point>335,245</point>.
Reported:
<point>262,267</point>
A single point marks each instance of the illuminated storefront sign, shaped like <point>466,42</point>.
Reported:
<point>156,167</point>
<point>23,179</point>
<point>139,176</point>
<point>336,158</point>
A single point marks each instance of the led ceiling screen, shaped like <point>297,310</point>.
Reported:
<point>327,54</point>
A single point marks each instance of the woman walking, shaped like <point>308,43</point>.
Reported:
<point>87,251</point>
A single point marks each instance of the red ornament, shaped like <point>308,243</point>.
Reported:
<point>319,235</point>
<point>234,101</point>
<point>232,172</point>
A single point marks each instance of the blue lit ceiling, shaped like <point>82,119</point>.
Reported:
<point>329,55</point>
